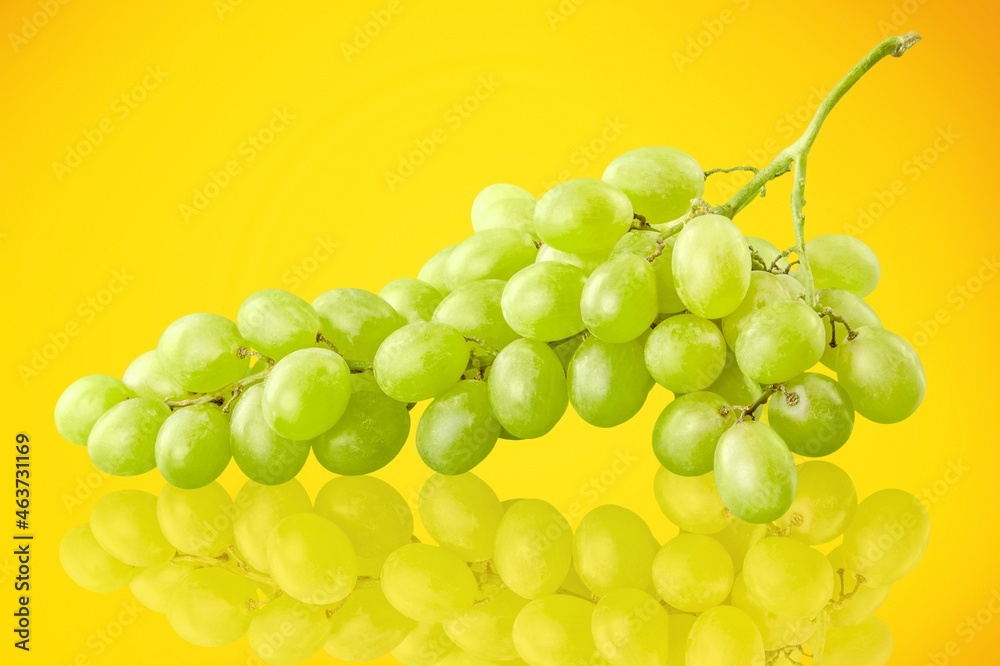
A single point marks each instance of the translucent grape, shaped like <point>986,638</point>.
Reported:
<point>201,352</point>
<point>509,213</point>
<point>734,386</point>
<point>843,262</point>
<point>306,393</point>
<point>433,273</point>
<point>824,504</point>
<point>685,353</point>
<point>630,628</point>
<point>192,446</point>
<point>542,301</point>
<point>494,193</point>
<point>154,585</point>
<point>613,548</point>
<point>888,536</point>
<point>366,627</point>
<point>764,289</point>
<point>124,524</point>
<point>426,645</point>
<point>258,509</point>
<point>680,629</point>
<point>855,311</point>
<point>776,631</point>
<point>428,583</point>
<point>461,513</point>
<point>883,375</point>
<point>755,472</point>
<point>367,437</point>
<point>146,378</point>
<point>693,572</point>
<point>585,262</point>
<point>84,402</point>
<point>692,503</point>
<point>792,287</point>
<point>556,630</point>
<point>210,608</point>
<point>724,635</point>
<point>866,644</point>
<point>608,383</point>
<point>737,538</point>
<point>688,430</point>
<point>659,181</point>
<point>858,601</point>
<point>821,419</point>
<point>486,629</point>
<point>197,522</point>
<point>416,300</point>
<point>356,321</point>
<point>527,388</point>
<point>420,361</point>
<point>312,559</point>
<point>644,244</point>
<point>276,322</point>
<point>285,631</point>
<point>780,341</point>
<point>474,310</point>
<point>619,302</point>
<point>788,578</point>
<point>262,454</point>
<point>494,254</point>
<point>583,216</point>
<point>533,549</point>
<point>458,430</point>
<point>123,441</point>
<point>711,266</point>
<point>90,566</point>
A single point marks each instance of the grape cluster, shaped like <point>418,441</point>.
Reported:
<point>508,582</point>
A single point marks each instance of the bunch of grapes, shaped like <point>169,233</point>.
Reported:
<point>508,582</point>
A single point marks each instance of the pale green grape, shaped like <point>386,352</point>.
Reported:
<point>680,629</point>
<point>780,341</point>
<point>527,388</point>
<point>366,627</point>
<point>312,559</point>
<point>458,430</point>
<point>585,262</point>
<point>192,446</point>
<point>755,472</point>
<point>306,393</point>
<point>608,383</point>
<point>737,537</point>
<point>821,419</point>
<point>495,193</point>
<point>659,181</point>
<point>258,509</point>
<point>776,631</point>
<point>426,645</point>
<point>146,378</point>
<point>276,322</point>
<point>734,386</point>
<point>842,262</point>
<point>209,607</point>
<point>613,548</point>
<point>416,300</point>
<point>787,577</point>
<point>261,453</point>
<point>888,536</point>
<point>461,513</point>
<point>533,549</point>
<point>855,311</point>
<point>824,505</point>
<point>630,628</point>
<point>693,572</point>
<point>768,251</point>
<point>154,585</point>
<point>486,629</point>
<point>474,310</point>
<point>866,644</point>
<point>201,352</point>
<point>711,266</point>
<point>420,361</point>
<point>197,522</point>
<point>792,287</point>
<point>124,523</point>
<point>123,441</point>
<point>556,631</point>
<point>643,243</point>
<point>764,289</point>
<point>510,213</point>
<point>356,321</point>
<point>433,273</point>
<point>883,375</point>
<point>367,437</point>
<point>688,430</point>
<point>542,301</point>
<point>692,503</point>
<point>724,635</point>
<point>428,583</point>
<point>618,302</point>
<point>90,566</point>
<point>494,254</point>
<point>583,216</point>
<point>285,631</point>
<point>860,600</point>
<point>685,353</point>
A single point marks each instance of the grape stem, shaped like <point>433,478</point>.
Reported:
<point>746,412</point>
<point>220,397</point>
<point>834,320</point>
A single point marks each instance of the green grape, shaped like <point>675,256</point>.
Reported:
<point>486,629</point>
<point>612,549</point>
<point>767,251</point>
<point>692,503</point>
<point>192,447</point>
<point>527,388</point>
<point>90,566</point>
<point>630,628</point>
<point>420,361</point>
<point>737,537</point>
<point>888,536</point>
<point>262,454</point>
<point>824,505</point>
<point>556,631</point>
<point>201,352</point>
<point>821,419</point>
<point>583,216</point>
<point>258,509</point>
<point>866,644</point>
<point>123,441</point>
<point>366,627</point>
<point>428,583</point>
<point>776,631</point>
<point>734,386</point>
<point>659,181</point>
<point>688,430</point>
<point>146,378</point>
<point>416,300</point>
<point>542,301</point>
<point>755,472</point>
<point>510,213</point>
<point>461,513</point>
<point>209,607</point>
<point>356,321</point>
<point>585,262</point>
<point>858,601</point>
<point>842,262</point>
<point>367,437</point>
<point>426,645</point>
<point>855,311</point>
<point>285,631</point>
<point>494,193</point>
<point>533,550</point>
<point>608,383</point>
<point>494,254</point>
<point>124,524</point>
<point>434,273</point>
<point>154,585</point>
<point>792,286</point>
<point>711,266</point>
<point>474,310</point>
<point>685,353</point>
<point>780,341</point>
<point>618,302</point>
<point>680,629</point>
<point>306,393</point>
<point>312,559</point>
<point>644,243</point>
<point>458,430</point>
<point>883,375</point>
<point>724,635</point>
<point>197,522</point>
<point>276,322</point>
<point>693,572</point>
<point>787,577</point>
<point>574,585</point>
<point>764,289</point>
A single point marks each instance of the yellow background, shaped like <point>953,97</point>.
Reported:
<point>573,84</point>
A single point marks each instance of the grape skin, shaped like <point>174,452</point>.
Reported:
<point>755,472</point>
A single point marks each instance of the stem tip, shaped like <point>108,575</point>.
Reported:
<point>905,42</point>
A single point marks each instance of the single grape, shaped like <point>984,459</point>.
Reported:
<point>818,420</point>
<point>842,262</point>
<point>734,386</point>
<point>258,509</point>
<point>608,383</point>
<point>84,402</point>
<point>306,393</point>
<point>583,216</point>
<point>123,441</point>
<point>474,310</point>
<point>630,628</point>
<point>692,503</point>
<point>461,513</point>
<point>780,341</point>
<point>285,631</point>
<point>197,522</point>
<point>146,378</point>
<point>883,375</point>
<point>202,352</point>
<point>618,302</point>
<point>767,251</point>
<point>788,578</point>
<point>124,524</point>
<point>556,630</point>
<point>792,286</point>
<point>693,572</point>
<point>209,607</point>
<point>866,644</point>
<point>533,550</point>
<point>852,309</point>
<point>659,181</point>
<point>680,629</point>
<point>858,600</point>
<point>776,631</point>
<point>685,353</point>
<point>367,437</point>
<point>276,322</point>
<point>262,454</point>
<point>192,446</point>
<point>711,266</point>
<point>527,388</point>
<point>764,289</point>
<point>645,244</point>
<point>542,301</point>
<point>486,629</point>
<point>495,193</point>
<point>426,645</point>
<point>432,273</point>
<point>510,213</point>
<point>90,566</point>
<point>366,627</point>
<point>415,300</point>
<point>585,262</point>
<point>755,472</point>
<point>154,585</point>
<point>428,583</point>
<point>612,549</point>
<point>724,635</point>
<point>888,536</point>
<point>312,559</point>
<point>688,430</point>
<point>494,254</point>
<point>420,361</point>
<point>458,430</point>
<point>824,505</point>
<point>356,321</point>
<point>737,537</point>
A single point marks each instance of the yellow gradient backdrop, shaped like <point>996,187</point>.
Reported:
<point>167,158</point>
